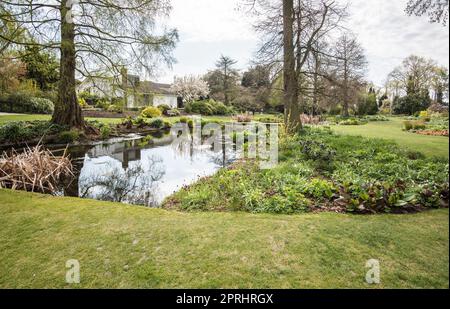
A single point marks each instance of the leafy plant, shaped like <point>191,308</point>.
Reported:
<point>151,112</point>
<point>67,137</point>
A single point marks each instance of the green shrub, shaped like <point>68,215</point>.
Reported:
<point>414,125</point>
<point>22,103</point>
<point>15,132</point>
<point>115,109</point>
<point>23,131</point>
<point>164,109</point>
<point>173,113</point>
<point>151,112</point>
<point>411,104</point>
<point>67,137</point>
<point>105,131</point>
<point>157,123</point>
<point>208,108</point>
<point>139,121</point>
<point>351,122</point>
<point>408,125</point>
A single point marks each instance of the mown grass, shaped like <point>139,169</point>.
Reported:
<point>133,247</point>
<point>25,117</point>
<point>4,118</point>
<point>393,130</point>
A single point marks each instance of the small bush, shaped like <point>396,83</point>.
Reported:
<point>164,109</point>
<point>157,123</point>
<point>151,112</point>
<point>67,137</point>
<point>173,113</point>
<point>105,131</point>
<point>15,132</point>
<point>115,109</point>
<point>82,103</point>
<point>23,103</point>
<point>208,108</point>
<point>351,122</point>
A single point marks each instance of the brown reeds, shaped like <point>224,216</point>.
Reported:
<point>34,169</point>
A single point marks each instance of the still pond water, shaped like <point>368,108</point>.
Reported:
<point>141,170</point>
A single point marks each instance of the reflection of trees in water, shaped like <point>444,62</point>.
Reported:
<point>219,151</point>
<point>134,185</point>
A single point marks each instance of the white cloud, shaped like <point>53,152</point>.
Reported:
<point>209,28</point>
<point>209,20</point>
<point>389,35</point>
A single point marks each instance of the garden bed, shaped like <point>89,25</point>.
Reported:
<point>106,114</point>
<point>320,171</point>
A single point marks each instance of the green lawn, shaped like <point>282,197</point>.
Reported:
<point>8,118</point>
<point>24,117</point>
<point>429,145</point>
<point>121,246</point>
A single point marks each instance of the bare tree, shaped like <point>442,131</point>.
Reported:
<point>415,73</point>
<point>92,36</point>
<point>287,30</point>
<point>437,10</point>
<point>350,67</point>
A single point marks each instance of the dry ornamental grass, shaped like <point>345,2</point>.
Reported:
<point>35,169</point>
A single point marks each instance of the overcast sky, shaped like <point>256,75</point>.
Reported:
<point>209,28</point>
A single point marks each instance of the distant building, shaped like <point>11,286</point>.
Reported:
<point>136,93</point>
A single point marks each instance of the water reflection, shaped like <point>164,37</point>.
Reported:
<point>143,171</point>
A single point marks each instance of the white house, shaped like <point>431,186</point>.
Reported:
<point>136,93</point>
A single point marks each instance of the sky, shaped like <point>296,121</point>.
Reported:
<point>210,28</point>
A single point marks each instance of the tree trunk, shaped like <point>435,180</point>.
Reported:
<point>346,112</point>
<point>67,110</point>
<point>292,114</point>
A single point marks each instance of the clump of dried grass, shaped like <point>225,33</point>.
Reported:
<point>35,169</point>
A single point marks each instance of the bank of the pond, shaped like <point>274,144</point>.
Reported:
<point>321,171</point>
<point>134,247</point>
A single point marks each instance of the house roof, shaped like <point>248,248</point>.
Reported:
<point>159,88</point>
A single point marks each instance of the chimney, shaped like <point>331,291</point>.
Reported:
<point>124,74</point>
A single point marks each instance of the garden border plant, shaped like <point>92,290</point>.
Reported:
<point>321,171</point>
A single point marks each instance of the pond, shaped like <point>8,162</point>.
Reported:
<point>141,170</point>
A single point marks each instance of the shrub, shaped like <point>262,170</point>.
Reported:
<point>408,125</point>
<point>208,108</point>
<point>22,103</point>
<point>157,123</point>
<point>139,121</point>
<point>318,151</point>
<point>351,122</point>
<point>115,109</point>
<point>15,132</point>
<point>414,125</point>
<point>105,131</point>
<point>82,103</point>
<point>164,108</point>
<point>20,131</point>
<point>200,107</point>
<point>151,112</point>
<point>173,113</point>
<point>67,137</point>
<point>411,104</point>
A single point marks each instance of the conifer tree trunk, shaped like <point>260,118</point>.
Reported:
<point>67,110</point>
